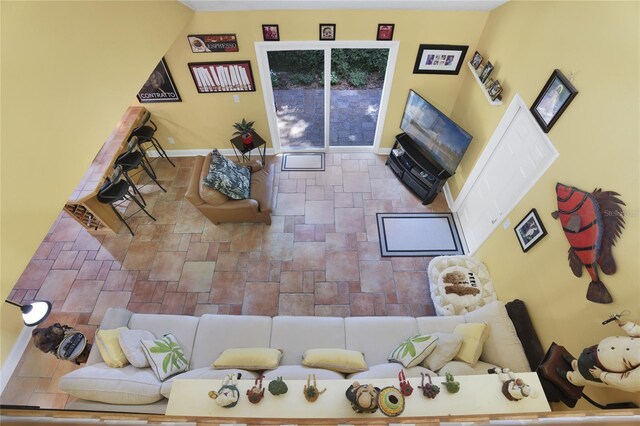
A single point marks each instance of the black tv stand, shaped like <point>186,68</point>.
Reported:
<point>416,170</point>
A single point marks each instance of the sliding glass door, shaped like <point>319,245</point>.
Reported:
<point>325,95</point>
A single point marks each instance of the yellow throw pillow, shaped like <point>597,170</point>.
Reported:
<point>340,360</point>
<point>249,359</point>
<point>474,335</point>
<point>109,346</point>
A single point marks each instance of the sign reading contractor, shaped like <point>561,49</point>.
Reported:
<point>159,87</point>
<point>205,43</point>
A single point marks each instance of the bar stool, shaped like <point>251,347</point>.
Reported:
<point>131,160</point>
<point>145,134</point>
<point>115,191</point>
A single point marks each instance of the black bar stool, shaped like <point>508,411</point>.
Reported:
<point>116,191</point>
<point>131,160</point>
<point>145,134</point>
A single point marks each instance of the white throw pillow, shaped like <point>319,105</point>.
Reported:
<point>414,350</point>
<point>446,349</point>
<point>165,356</point>
<point>131,344</point>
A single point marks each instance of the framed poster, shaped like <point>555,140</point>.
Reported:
<point>207,43</point>
<point>554,98</point>
<point>159,87</point>
<point>218,77</point>
<point>530,230</point>
<point>327,31</point>
<point>439,59</point>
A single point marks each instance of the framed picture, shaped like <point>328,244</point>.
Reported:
<point>530,230</point>
<point>495,90</point>
<point>219,77</point>
<point>385,32</point>
<point>476,60</point>
<point>207,43</point>
<point>488,84</point>
<point>327,31</point>
<point>270,32</point>
<point>159,87</point>
<point>486,71</point>
<point>439,59</point>
<point>554,98</point>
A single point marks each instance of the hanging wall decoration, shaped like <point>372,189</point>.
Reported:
<point>530,230</point>
<point>159,87</point>
<point>439,59</point>
<point>218,77</point>
<point>554,98</point>
<point>592,223</point>
<point>207,43</point>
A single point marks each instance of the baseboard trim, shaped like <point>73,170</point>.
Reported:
<point>448,196</point>
<point>11,363</point>
<point>384,151</point>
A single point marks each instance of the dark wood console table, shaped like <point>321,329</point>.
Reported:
<point>415,170</point>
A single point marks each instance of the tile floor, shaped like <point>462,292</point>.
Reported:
<point>320,257</point>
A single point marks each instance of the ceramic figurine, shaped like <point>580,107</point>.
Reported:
<point>228,395</point>
<point>363,398</point>
<point>278,387</point>
<point>311,392</point>
<point>513,388</point>
<point>256,393</point>
<point>405,386</point>
<point>429,389</point>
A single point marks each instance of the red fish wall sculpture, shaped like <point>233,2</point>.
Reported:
<point>592,223</point>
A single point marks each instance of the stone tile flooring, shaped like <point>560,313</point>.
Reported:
<point>320,257</point>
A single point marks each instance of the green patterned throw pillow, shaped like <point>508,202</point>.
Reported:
<point>414,350</point>
<point>165,356</point>
<point>231,179</point>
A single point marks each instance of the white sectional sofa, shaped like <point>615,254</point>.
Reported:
<point>99,387</point>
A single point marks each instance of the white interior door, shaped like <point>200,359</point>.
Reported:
<point>517,155</point>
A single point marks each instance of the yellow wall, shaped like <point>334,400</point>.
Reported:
<point>598,140</point>
<point>68,72</point>
<point>203,121</point>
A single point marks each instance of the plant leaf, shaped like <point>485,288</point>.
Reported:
<point>165,362</point>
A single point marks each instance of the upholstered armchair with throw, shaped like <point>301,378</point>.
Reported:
<point>221,208</point>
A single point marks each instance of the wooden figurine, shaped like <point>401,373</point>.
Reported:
<point>311,392</point>
<point>228,395</point>
<point>256,393</point>
<point>278,387</point>
<point>405,386</point>
<point>363,398</point>
<point>513,388</point>
<point>429,389</point>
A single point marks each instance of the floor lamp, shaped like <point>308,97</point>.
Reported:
<point>33,313</point>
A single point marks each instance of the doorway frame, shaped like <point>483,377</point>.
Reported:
<point>262,49</point>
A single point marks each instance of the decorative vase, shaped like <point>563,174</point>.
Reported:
<point>247,139</point>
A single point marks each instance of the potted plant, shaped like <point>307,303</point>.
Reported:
<point>244,128</point>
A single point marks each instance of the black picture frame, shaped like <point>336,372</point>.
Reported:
<point>159,87</point>
<point>494,90</point>
<point>327,31</point>
<point>385,32</point>
<point>486,71</point>
<point>476,60</point>
<point>222,77</point>
<point>530,230</point>
<point>211,43</point>
<point>270,32</point>
<point>555,97</point>
<point>439,59</point>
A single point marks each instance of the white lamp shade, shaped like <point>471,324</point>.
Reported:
<point>36,314</point>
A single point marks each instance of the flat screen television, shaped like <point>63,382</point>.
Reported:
<point>442,140</point>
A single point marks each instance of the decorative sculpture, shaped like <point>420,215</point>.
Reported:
<point>451,385</point>
<point>278,387</point>
<point>614,362</point>
<point>405,386</point>
<point>513,388</point>
<point>391,401</point>
<point>363,398</point>
<point>256,393</point>
<point>228,395</point>
<point>429,389</point>
<point>592,223</point>
<point>311,392</point>
<point>66,343</point>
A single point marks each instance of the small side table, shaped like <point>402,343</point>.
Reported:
<point>243,150</point>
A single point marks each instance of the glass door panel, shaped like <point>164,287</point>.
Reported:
<point>298,93</point>
<point>357,79</point>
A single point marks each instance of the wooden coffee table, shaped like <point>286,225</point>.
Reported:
<point>479,394</point>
